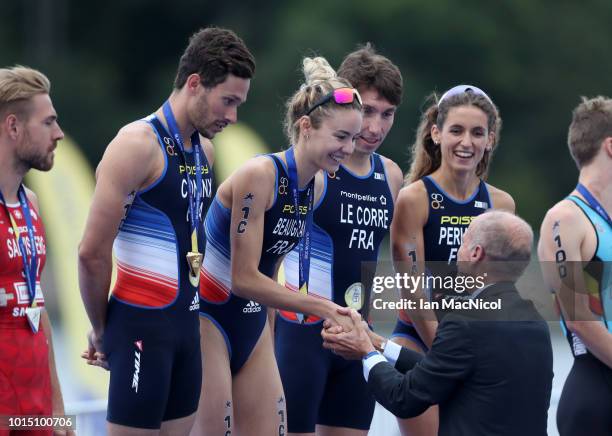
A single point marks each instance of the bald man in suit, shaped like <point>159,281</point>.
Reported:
<point>490,371</point>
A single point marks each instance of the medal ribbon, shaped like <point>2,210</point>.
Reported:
<point>304,241</point>
<point>596,205</point>
<point>195,196</point>
<point>29,269</point>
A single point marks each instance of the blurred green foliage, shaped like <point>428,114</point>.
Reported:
<point>112,62</point>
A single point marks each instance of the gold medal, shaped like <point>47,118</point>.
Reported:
<point>194,260</point>
<point>353,297</point>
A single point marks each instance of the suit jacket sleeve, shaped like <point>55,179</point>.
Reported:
<point>433,379</point>
<point>407,360</point>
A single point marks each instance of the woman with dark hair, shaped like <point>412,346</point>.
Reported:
<point>445,189</point>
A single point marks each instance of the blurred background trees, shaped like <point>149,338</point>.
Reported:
<point>112,62</point>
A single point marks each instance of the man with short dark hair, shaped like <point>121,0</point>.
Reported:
<point>490,371</point>
<point>154,186</point>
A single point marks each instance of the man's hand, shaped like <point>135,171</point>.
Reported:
<point>94,355</point>
<point>340,320</point>
<point>352,345</point>
<point>377,340</point>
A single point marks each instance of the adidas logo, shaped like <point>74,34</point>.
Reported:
<point>252,307</point>
<point>195,303</point>
<point>481,204</point>
<point>379,176</point>
<point>578,345</point>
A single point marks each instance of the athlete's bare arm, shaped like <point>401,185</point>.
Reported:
<point>251,187</point>
<point>132,161</point>
<point>567,234</point>
<point>407,247</point>
<point>57,399</point>
<point>501,199</point>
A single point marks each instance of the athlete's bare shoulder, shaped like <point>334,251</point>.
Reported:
<point>568,212</point>
<point>133,138</point>
<point>412,200</point>
<point>258,169</point>
<point>569,222</point>
<point>391,166</point>
<point>413,192</point>
<point>134,154</point>
<point>501,199</point>
<point>138,131</point>
<point>394,173</point>
<point>209,149</point>
<point>258,173</point>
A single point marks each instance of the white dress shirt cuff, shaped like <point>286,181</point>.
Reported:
<point>370,361</point>
<point>392,352</point>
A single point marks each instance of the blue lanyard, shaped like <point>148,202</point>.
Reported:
<point>29,270</point>
<point>304,242</point>
<point>195,198</point>
<point>596,205</point>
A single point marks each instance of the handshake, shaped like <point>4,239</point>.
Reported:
<point>352,343</point>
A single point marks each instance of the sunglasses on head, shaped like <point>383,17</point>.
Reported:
<point>460,89</point>
<point>339,96</point>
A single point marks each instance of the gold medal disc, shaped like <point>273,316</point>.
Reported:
<point>194,260</point>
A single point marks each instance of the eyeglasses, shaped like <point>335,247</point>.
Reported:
<point>339,96</point>
<point>460,89</point>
